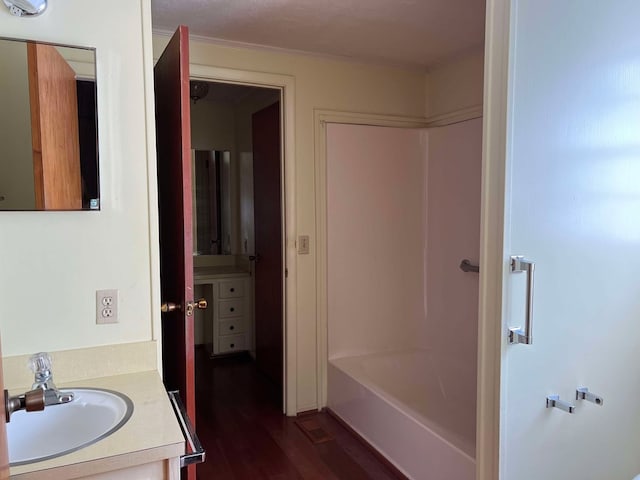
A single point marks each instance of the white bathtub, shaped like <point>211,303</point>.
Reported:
<point>421,420</point>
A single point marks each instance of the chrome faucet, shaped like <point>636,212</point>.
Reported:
<point>40,364</point>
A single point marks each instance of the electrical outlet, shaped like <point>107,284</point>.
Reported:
<point>303,244</point>
<point>106,306</point>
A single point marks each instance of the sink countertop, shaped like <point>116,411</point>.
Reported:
<point>151,434</point>
<point>202,273</point>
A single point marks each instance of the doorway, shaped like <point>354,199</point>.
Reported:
<point>231,295</point>
<point>238,220</point>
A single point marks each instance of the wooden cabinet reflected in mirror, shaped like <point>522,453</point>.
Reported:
<point>48,127</point>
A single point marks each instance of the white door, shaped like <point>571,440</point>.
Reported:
<point>573,207</point>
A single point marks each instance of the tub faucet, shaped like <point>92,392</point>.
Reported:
<point>40,364</point>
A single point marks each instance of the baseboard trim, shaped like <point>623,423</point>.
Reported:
<point>306,413</point>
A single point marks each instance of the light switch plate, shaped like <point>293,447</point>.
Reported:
<point>303,244</point>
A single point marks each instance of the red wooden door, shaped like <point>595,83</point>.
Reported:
<point>173,131</point>
<point>268,241</point>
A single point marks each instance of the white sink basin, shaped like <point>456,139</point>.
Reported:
<point>60,429</point>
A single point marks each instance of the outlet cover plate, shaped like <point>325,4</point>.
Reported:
<point>106,306</point>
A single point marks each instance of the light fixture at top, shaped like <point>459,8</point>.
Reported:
<point>26,8</point>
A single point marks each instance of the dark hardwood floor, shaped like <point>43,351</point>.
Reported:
<point>240,424</point>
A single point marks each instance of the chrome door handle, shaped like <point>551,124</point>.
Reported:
<point>197,454</point>
<point>518,334</point>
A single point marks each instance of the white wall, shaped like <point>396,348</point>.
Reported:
<point>320,83</point>
<point>212,125</point>
<point>376,211</point>
<point>16,164</point>
<point>53,262</point>
<point>456,84</point>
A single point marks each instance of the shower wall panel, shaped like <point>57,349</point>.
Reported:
<point>376,219</point>
<point>455,168</point>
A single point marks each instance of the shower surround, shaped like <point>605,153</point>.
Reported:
<point>403,209</point>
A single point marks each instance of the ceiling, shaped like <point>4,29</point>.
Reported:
<point>417,33</point>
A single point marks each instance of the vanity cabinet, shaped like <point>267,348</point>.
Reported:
<point>162,470</point>
<point>228,320</point>
<point>167,469</point>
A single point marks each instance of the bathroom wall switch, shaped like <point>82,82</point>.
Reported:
<point>303,244</point>
<point>106,306</point>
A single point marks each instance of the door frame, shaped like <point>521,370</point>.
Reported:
<point>494,240</point>
<point>286,85</point>
<point>321,118</point>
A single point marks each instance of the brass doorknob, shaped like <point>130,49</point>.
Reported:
<point>200,305</point>
<point>191,306</point>
<point>170,307</point>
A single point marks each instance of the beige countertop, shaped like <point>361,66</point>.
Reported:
<point>151,434</point>
<point>203,273</point>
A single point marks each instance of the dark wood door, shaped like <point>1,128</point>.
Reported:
<point>268,241</point>
<point>173,131</point>
<point>54,129</point>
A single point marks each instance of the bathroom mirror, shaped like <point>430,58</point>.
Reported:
<point>211,170</point>
<point>48,127</point>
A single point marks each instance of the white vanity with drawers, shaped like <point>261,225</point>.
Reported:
<point>227,324</point>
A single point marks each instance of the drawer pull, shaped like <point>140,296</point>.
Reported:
<point>232,289</point>
<point>232,309</point>
<point>232,345</point>
<point>197,454</point>
<point>231,327</point>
